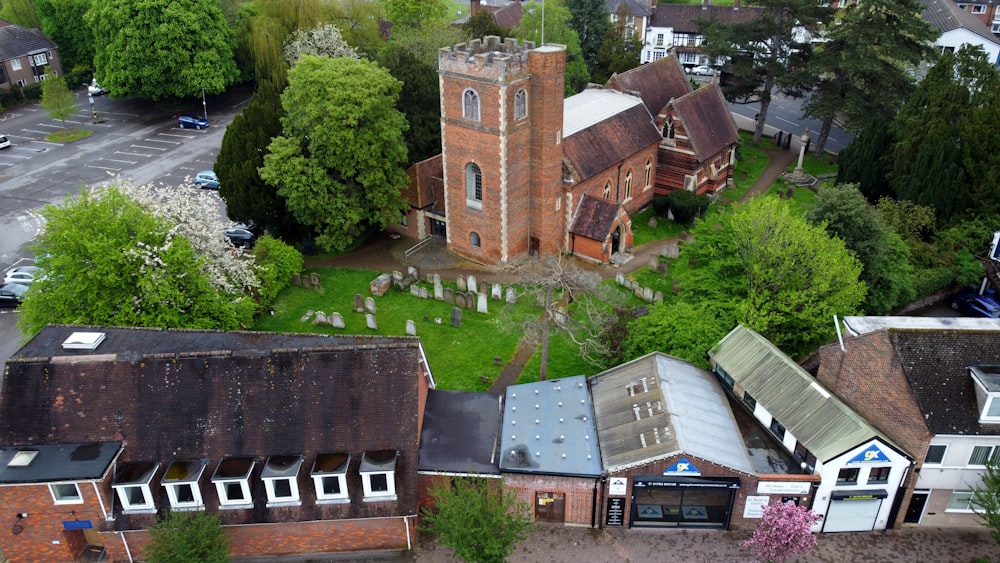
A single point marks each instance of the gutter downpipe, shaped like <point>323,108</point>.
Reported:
<point>409,545</point>
<point>127,550</point>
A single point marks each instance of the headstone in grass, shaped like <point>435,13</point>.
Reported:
<point>456,317</point>
<point>370,321</point>
<point>497,291</point>
<point>460,282</point>
<point>438,290</point>
<point>449,296</point>
<point>460,299</point>
<point>425,293</point>
<point>676,288</point>
<point>637,290</point>
<point>435,278</point>
<point>481,305</point>
<point>359,303</point>
<point>470,301</point>
<point>663,267</point>
<point>336,320</point>
<point>472,284</point>
<point>647,294</point>
<point>320,318</point>
<point>411,328</point>
<point>415,290</point>
<point>380,285</point>
<point>308,315</point>
<point>511,295</point>
<point>370,305</point>
<point>398,276</point>
<point>315,281</point>
<point>654,263</point>
<point>658,297</point>
<point>296,279</point>
<point>412,272</point>
<point>620,278</point>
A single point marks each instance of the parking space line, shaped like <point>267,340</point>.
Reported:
<point>47,143</point>
<point>119,160</point>
<point>8,155</point>
<point>35,131</point>
<point>133,153</point>
<point>160,141</point>
<point>150,148</point>
<point>71,121</point>
<point>52,126</point>
<point>7,116</point>
<point>176,135</point>
<point>103,168</point>
<point>6,164</point>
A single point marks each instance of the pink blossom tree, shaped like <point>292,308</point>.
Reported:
<point>783,532</point>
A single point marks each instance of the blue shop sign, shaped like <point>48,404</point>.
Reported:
<point>870,455</point>
<point>682,467</point>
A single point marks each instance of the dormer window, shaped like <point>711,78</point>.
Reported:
<point>378,475</point>
<point>232,482</point>
<point>281,479</point>
<point>131,483</point>
<point>329,474</point>
<point>181,482</point>
<point>986,380</point>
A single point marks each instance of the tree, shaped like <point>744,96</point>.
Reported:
<point>162,48</point>
<point>483,24</point>
<point>413,13</point>
<point>359,23</point>
<point>557,31</point>
<point>182,537</point>
<point>765,52</point>
<point>683,330</point>
<point>913,222</point>
<point>63,21</point>
<point>782,277</point>
<point>477,517</point>
<point>617,53</point>
<point>422,103</point>
<point>863,161</point>
<point>20,12</point>
<point>982,165</point>
<point>937,180</point>
<point>783,532</point>
<point>57,99</point>
<point>324,40</point>
<point>865,64</point>
<point>339,161</point>
<point>885,258</point>
<point>110,261</point>
<point>591,20</point>
<point>986,499</point>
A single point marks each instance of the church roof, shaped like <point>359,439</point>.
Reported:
<point>707,120</point>
<point>603,127</point>
<point>594,217</point>
<point>657,82</point>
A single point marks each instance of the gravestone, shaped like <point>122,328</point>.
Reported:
<point>380,285</point>
<point>460,299</point>
<point>663,267</point>
<point>637,291</point>
<point>460,282</point>
<point>438,290</point>
<point>511,295</point>
<point>658,297</point>
<point>359,303</point>
<point>676,287</point>
<point>620,278</point>
<point>320,318</point>
<point>424,293</point>
<point>671,251</point>
<point>315,281</point>
<point>369,305</point>
<point>415,290</point>
<point>497,291</point>
<point>647,294</point>
<point>456,317</point>
<point>412,272</point>
<point>654,263</point>
<point>472,285</point>
<point>306,281</point>
<point>305,318</point>
<point>336,320</point>
<point>297,279</point>
<point>435,278</point>
<point>449,295</point>
<point>411,328</point>
<point>398,276</point>
<point>370,321</point>
<point>470,300</point>
<point>481,306</point>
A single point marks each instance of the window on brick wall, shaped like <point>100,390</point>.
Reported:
<point>628,185</point>
<point>131,483</point>
<point>979,9</point>
<point>15,64</point>
<point>649,174</point>
<point>329,473</point>
<point>473,186</point>
<point>520,104</point>
<point>281,479</point>
<point>474,239</point>
<point>378,475</point>
<point>470,105</point>
<point>181,482</point>
<point>607,190</point>
<point>66,493</point>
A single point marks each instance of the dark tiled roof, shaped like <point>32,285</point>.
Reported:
<point>656,82</point>
<point>17,41</point>
<point>460,432</point>
<point>946,16</point>
<point>426,183</point>
<point>594,217</point>
<point>681,17</point>
<point>935,364</point>
<point>610,141</point>
<point>508,16</point>
<point>632,7</point>
<point>211,395</point>
<point>707,121</point>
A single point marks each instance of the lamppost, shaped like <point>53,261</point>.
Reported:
<point>93,110</point>
<point>203,104</point>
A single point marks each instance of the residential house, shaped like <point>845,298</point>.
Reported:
<point>673,30</point>
<point>300,443</point>
<point>505,14</point>
<point>862,469</point>
<point>985,10</point>
<point>636,14</point>
<point>959,27</point>
<point>934,390</point>
<point>25,53</point>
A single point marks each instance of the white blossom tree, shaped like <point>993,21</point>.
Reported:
<point>324,40</point>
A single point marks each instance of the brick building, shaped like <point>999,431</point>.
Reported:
<point>525,172</point>
<point>24,54</point>
<point>300,443</point>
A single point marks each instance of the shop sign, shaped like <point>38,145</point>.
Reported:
<point>616,512</point>
<point>871,455</point>
<point>682,467</point>
<point>618,486</point>
<point>754,507</point>
<point>783,488</point>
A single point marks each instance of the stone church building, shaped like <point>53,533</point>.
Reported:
<point>525,171</point>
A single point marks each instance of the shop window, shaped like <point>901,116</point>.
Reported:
<point>879,475</point>
<point>848,476</point>
<point>181,483</point>
<point>935,454</point>
<point>66,493</point>
<point>131,484</point>
<point>378,475</point>
<point>281,479</point>
<point>329,473</point>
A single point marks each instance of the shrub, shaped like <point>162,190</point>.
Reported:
<point>276,263</point>
<point>661,205</point>
<point>686,205</point>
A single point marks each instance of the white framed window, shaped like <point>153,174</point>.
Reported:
<point>473,186</point>
<point>21,82</point>
<point>520,104</point>
<point>329,473</point>
<point>378,475</point>
<point>131,484</point>
<point>65,493</point>
<point>470,105</point>
<point>15,64</point>
<point>982,454</point>
<point>232,482</point>
<point>995,28</point>
<point>978,9</point>
<point>935,454</point>
<point>961,501</point>
<point>281,480</point>
<point>181,482</point>
<point>39,59</point>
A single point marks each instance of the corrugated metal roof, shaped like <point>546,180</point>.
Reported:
<point>657,406</point>
<point>816,417</point>
<point>593,106</point>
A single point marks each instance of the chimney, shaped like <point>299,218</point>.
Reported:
<point>473,7</point>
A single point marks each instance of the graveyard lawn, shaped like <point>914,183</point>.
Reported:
<point>460,358</point>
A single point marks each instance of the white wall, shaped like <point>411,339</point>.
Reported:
<point>961,36</point>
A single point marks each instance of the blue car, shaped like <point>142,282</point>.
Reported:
<point>970,303</point>
<point>186,121</point>
<point>206,179</point>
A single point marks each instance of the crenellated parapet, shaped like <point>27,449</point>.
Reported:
<point>487,58</point>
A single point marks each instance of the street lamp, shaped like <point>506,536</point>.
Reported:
<point>203,104</point>
<point>93,110</point>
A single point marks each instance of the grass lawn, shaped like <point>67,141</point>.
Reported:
<point>817,165</point>
<point>642,233</point>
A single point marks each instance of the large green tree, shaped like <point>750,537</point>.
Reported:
<point>479,518</point>
<point>57,99</point>
<point>766,52</point>
<point>162,48</point>
<point>183,537</point>
<point>780,275</point>
<point>866,62</point>
<point>483,24</point>
<point>422,103</point>
<point>339,161</point>
<point>63,21</point>
<point>20,12</point>
<point>617,52</point>
<point>557,31</point>
<point>415,12</point>
<point>109,261</point>
<point>986,498</point>
<point>863,162</point>
<point>681,329</point>
<point>590,19</point>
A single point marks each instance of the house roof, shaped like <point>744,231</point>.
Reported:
<point>17,41</point>
<point>53,463</point>
<point>594,217</point>
<point>461,432</point>
<point>658,406</point>
<point>817,418</point>
<point>192,394</point>
<point>603,128</point>
<point>657,82</point>
<point>945,16</point>
<point>681,17</point>
<point>632,7</point>
<point>708,123</point>
<point>426,185</point>
<point>865,325</point>
<point>548,428</point>
<point>508,16</point>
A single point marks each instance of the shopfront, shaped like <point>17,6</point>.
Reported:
<point>682,502</point>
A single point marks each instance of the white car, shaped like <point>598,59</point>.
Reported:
<point>95,89</point>
<point>702,70</point>
<point>4,142</point>
<point>23,275</point>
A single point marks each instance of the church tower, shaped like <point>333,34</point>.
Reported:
<point>501,128</point>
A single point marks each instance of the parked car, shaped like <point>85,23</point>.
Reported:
<point>241,236</point>
<point>95,89</point>
<point>186,121</point>
<point>970,303</point>
<point>23,275</point>
<point>11,294</point>
<point>701,70</point>
<point>4,142</point>
<point>206,179</point>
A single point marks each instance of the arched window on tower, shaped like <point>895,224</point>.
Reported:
<point>474,239</point>
<point>520,104</point>
<point>470,105</point>
<point>473,186</point>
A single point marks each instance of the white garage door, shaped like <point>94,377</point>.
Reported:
<point>851,515</point>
